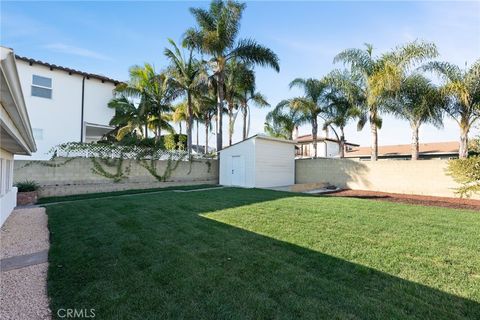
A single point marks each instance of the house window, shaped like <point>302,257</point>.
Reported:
<point>41,87</point>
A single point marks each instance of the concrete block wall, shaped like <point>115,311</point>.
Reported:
<point>64,176</point>
<point>423,177</point>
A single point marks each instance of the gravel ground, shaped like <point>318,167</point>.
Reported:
<point>24,232</point>
<point>23,292</point>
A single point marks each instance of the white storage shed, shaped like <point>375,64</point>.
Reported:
<point>258,162</point>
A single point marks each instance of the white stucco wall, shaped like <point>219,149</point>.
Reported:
<point>97,96</point>
<point>58,120</point>
<point>8,193</point>
<point>246,150</point>
<point>274,163</point>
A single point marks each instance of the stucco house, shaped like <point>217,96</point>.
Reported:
<point>64,104</point>
<point>326,147</point>
<point>16,137</point>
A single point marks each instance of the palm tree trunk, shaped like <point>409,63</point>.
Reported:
<point>373,129</point>
<point>294,134</point>
<point>342,143</point>
<point>189,124</point>
<point>314,136</point>
<point>180,126</point>
<point>415,146</point>
<point>159,129</point>
<point>146,130</point>
<point>244,112</point>
<point>207,124</point>
<point>463,151</point>
<point>230,123</point>
<point>197,136</point>
<point>220,98</point>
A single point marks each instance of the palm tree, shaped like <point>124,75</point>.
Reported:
<point>462,88</point>
<point>207,109</point>
<point>377,77</point>
<point>216,36</point>
<point>311,104</point>
<point>180,114</point>
<point>186,76</point>
<point>154,93</point>
<point>283,121</point>
<point>127,118</point>
<point>340,110</point>
<point>247,93</point>
<point>234,71</point>
<point>418,101</point>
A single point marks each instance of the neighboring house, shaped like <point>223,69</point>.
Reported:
<point>16,135</point>
<point>326,147</point>
<point>435,150</point>
<point>65,105</point>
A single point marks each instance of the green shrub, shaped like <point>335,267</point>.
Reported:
<point>466,172</point>
<point>27,186</point>
<point>182,142</point>
<point>169,142</point>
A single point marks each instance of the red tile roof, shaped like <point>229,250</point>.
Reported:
<point>54,66</point>
<point>449,147</point>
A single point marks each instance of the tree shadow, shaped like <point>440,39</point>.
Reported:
<point>157,257</point>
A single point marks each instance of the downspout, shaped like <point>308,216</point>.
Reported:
<point>83,107</point>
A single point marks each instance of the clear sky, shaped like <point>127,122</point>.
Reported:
<point>109,37</point>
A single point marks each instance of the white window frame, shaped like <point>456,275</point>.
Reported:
<point>42,87</point>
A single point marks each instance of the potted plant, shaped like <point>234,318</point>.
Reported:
<point>27,192</point>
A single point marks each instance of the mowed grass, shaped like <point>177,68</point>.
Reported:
<point>258,254</point>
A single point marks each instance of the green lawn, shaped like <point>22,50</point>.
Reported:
<point>257,254</point>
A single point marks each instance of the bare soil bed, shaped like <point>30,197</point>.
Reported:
<point>455,203</point>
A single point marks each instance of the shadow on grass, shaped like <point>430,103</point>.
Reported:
<point>156,257</point>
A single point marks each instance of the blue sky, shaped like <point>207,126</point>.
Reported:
<point>109,37</point>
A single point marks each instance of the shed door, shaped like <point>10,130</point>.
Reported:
<point>238,171</point>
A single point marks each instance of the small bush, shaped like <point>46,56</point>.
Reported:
<point>169,142</point>
<point>466,172</point>
<point>27,186</point>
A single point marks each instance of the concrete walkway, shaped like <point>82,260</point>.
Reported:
<point>23,264</point>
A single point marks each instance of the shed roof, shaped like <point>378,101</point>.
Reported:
<point>263,137</point>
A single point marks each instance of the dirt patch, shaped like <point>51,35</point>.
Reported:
<point>445,202</point>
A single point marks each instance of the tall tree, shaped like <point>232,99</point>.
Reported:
<point>311,104</point>
<point>216,36</point>
<point>234,71</point>
<point>153,92</point>
<point>462,89</point>
<point>247,94</point>
<point>127,118</point>
<point>186,76</point>
<point>380,76</point>
<point>341,106</point>
<point>283,121</point>
<point>207,106</point>
<point>418,101</point>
